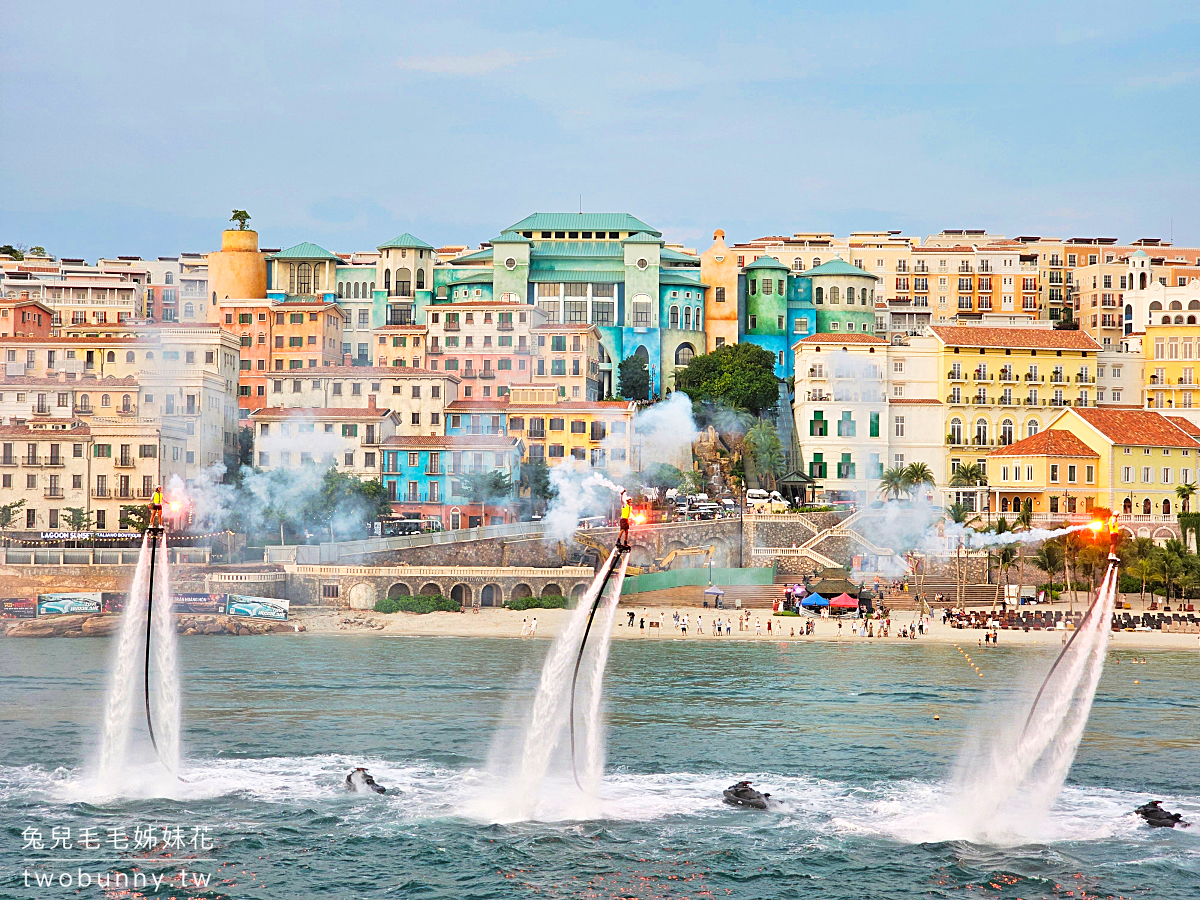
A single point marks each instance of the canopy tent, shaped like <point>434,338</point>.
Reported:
<point>815,600</point>
<point>715,592</point>
<point>844,601</point>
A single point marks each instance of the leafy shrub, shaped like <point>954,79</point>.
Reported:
<point>556,601</point>
<point>422,604</point>
<point>787,612</point>
<point>1131,585</point>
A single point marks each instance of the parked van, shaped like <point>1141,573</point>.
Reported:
<point>757,499</point>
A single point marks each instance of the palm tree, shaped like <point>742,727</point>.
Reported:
<point>1049,558</point>
<point>1004,557</point>
<point>767,450</point>
<point>893,483</point>
<point>960,515</point>
<point>917,474</point>
<point>1185,492</point>
<point>1171,562</point>
<point>1023,522</point>
<point>969,475</point>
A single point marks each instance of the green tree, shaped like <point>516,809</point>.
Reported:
<point>1185,492</point>
<point>634,377</point>
<point>1171,562</point>
<point>741,376</point>
<point>8,515</point>
<point>246,446</point>
<point>135,517</point>
<point>893,483</point>
<point>535,478</point>
<point>347,503</point>
<point>960,515</point>
<point>918,475</point>
<point>766,449</point>
<point>9,250</point>
<point>969,475</point>
<point>1050,558</point>
<point>241,217</point>
<point>77,518</point>
<point>480,487</point>
<point>1023,522</point>
<point>663,476</point>
<point>38,250</point>
<point>1005,556</point>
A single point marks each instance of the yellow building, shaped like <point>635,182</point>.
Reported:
<point>719,268</point>
<point>1001,385</point>
<point>1140,458</point>
<point>1172,354</point>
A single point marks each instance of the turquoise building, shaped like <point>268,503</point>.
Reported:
<point>778,307</point>
<point>610,270</point>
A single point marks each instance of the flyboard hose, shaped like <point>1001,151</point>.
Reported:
<point>1104,587</point>
<point>614,561</point>
<point>155,534</point>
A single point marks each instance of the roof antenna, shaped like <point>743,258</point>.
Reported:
<point>581,206</point>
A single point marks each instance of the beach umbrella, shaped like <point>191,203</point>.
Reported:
<point>814,600</point>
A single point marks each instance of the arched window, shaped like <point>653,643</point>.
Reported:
<point>956,431</point>
<point>105,400</point>
<point>981,432</point>
<point>111,357</point>
<point>1031,427</point>
<point>816,261</point>
<point>820,295</point>
<point>797,264</point>
<point>1003,504</point>
<point>781,357</point>
<point>1178,320</point>
<point>1006,432</point>
<point>189,311</point>
<point>341,289</point>
<point>1166,320</point>
<point>834,295</point>
<point>372,290</point>
<point>697,319</point>
<point>1191,320</point>
<point>170,278</point>
<point>673,317</point>
<point>1175,304</point>
<point>262,338</point>
<point>149,355</point>
<point>304,278</point>
<point>1166,507</point>
<point>387,279</point>
<point>684,354</point>
<point>420,279</point>
<point>1155,306</point>
<point>1127,506</point>
<point>129,356</point>
<point>849,296</point>
<point>1142,285</point>
<point>1129,310</point>
<point>85,402</point>
<point>356,290</point>
<point>687,318</point>
<point>126,403</point>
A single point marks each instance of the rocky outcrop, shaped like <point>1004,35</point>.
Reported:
<point>104,624</point>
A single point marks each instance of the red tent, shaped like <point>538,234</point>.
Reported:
<point>844,601</point>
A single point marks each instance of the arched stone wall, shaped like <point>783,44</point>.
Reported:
<point>399,589</point>
<point>362,596</point>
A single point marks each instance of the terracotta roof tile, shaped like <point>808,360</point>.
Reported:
<point>285,412</point>
<point>1186,425</point>
<point>453,442</point>
<point>1137,427</point>
<point>911,401</point>
<point>832,338</point>
<point>1023,338</point>
<point>1048,443</point>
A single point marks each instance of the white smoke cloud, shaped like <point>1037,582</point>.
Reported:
<point>581,492</point>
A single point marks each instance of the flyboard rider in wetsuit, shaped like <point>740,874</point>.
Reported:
<point>156,503</point>
<point>626,515</point>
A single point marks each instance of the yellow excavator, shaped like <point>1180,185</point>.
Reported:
<point>660,565</point>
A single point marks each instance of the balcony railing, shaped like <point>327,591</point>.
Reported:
<point>434,350</point>
<point>53,493</point>
<point>487,373</point>
<point>31,460</point>
<point>504,326</point>
<point>54,461</point>
<point>467,373</point>
<point>523,350</point>
<point>955,376</point>
<point>125,462</point>
<point>452,325</point>
<point>41,409</point>
<point>8,461</point>
<point>85,410</point>
<point>1084,379</point>
<point>101,493</point>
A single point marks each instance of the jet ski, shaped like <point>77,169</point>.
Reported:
<point>360,781</point>
<point>741,794</point>
<point>1157,817</point>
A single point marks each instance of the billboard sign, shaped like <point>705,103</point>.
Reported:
<point>17,608</point>
<point>66,604</point>
<point>257,607</point>
<point>199,603</point>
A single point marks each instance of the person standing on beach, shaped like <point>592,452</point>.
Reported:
<point>525,626</point>
<point>757,626</point>
<point>699,624</point>
<point>533,627</point>
<point>839,629</point>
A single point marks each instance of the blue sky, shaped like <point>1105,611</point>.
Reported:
<point>136,128</point>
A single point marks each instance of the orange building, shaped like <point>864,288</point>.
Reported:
<point>25,317</point>
<point>281,337</point>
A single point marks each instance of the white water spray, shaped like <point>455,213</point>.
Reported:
<point>545,753</point>
<point>1008,781</point>
<point>124,712</point>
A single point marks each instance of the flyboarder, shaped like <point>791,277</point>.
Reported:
<point>626,515</point>
<point>156,503</point>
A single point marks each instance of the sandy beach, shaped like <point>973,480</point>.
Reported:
<point>504,623</point>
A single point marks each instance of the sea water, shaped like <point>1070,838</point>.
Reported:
<point>842,734</point>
